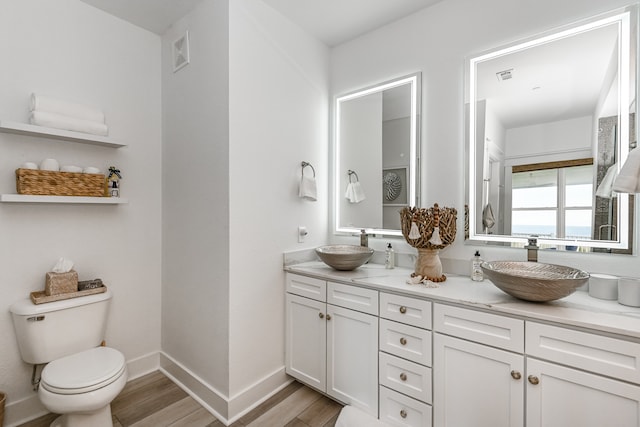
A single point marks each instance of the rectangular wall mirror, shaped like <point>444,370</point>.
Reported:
<point>551,121</point>
<point>375,145</point>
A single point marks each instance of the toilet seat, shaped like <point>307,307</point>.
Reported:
<point>83,372</point>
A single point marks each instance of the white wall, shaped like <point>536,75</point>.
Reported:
<point>195,223</point>
<point>70,50</point>
<point>238,121</point>
<point>563,138</point>
<point>278,78</point>
<point>436,41</point>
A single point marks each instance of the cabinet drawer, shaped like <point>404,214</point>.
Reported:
<point>399,410</point>
<point>489,329</point>
<point>603,355</point>
<point>411,311</point>
<point>405,341</point>
<point>307,287</point>
<point>406,377</point>
<point>353,297</point>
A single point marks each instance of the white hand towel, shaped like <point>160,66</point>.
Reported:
<point>58,121</point>
<point>628,180</point>
<point>350,194</point>
<point>605,189</point>
<point>66,108</point>
<point>308,189</point>
<point>488,220</point>
<point>358,192</point>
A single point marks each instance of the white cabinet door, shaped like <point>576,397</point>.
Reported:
<point>476,385</point>
<point>352,358</point>
<point>558,396</point>
<point>306,340</point>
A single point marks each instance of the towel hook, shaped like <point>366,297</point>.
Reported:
<point>305,164</point>
<point>350,172</point>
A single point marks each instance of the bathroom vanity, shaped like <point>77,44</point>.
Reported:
<point>462,354</point>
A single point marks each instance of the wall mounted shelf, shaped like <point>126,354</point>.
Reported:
<point>64,135</point>
<point>25,198</point>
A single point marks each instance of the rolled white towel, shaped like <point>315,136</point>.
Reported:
<point>628,180</point>
<point>58,121</point>
<point>66,108</point>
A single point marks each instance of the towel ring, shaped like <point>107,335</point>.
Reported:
<point>350,172</point>
<point>305,164</point>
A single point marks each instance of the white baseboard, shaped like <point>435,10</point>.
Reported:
<point>225,409</point>
<point>30,408</point>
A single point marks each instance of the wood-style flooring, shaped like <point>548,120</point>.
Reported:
<point>155,401</point>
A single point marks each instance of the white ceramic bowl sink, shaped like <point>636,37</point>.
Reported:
<point>534,281</point>
<point>344,257</point>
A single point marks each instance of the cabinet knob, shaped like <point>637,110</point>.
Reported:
<point>403,413</point>
<point>320,315</point>
<point>534,380</point>
<point>403,309</point>
<point>328,317</point>
<point>403,341</point>
<point>516,375</point>
<point>403,376</point>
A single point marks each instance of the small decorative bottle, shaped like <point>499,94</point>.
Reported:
<point>112,187</point>
<point>477,275</point>
<point>389,257</point>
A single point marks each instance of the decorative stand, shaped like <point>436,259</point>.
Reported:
<point>429,230</point>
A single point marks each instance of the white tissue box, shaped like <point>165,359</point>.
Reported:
<point>61,283</point>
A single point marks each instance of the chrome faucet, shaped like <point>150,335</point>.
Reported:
<point>532,249</point>
<point>364,238</point>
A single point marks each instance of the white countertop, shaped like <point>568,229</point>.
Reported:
<point>578,309</point>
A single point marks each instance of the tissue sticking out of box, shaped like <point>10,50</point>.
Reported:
<point>63,266</point>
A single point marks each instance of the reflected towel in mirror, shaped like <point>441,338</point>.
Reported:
<point>354,193</point>
<point>308,188</point>
<point>605,189</point>
<point>488,220</point>
<point>628,180</point>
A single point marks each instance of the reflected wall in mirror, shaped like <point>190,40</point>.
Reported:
<point>375,161</point>
<point>551,121</point>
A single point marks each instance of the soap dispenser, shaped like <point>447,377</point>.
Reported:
<point>477,275</point>
<point>389,257</point>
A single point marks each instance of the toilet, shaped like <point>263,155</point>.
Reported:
<point>80,378</point>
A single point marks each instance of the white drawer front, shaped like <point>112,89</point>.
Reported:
<point>603,355</point>
<point>307,287</point>
<point>406,377</point>
<point>489,329</point>
<point>399,410</point>
<point>353,297</point>
<point>411,311</point>
<point>406,341</point>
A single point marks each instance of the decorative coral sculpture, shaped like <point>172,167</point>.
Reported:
<point>429,230</point>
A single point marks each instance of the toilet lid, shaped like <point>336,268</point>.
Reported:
<point>83,372</point>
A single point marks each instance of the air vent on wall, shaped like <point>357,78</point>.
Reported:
<point>181,52</point>
<point>504,75</point>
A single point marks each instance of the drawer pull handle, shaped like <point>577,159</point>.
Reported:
<point>403,341</point>
<point>403,376</point>
<point>320,315</point>
<point>534,380</point>
<point>403,413</point>
<point>328,317</point>
<point>403,309</point>
<point>516,375</point>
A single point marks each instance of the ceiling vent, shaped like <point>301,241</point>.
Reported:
<point>504,75</point>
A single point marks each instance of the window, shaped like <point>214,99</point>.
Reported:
<point>553,202</point>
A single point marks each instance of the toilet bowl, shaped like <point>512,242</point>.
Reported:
<point>81,387</point>
<point>80,378</point>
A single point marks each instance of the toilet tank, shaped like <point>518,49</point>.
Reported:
<point>49,331</point>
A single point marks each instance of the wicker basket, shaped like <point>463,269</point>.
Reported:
<point>49,183</point>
